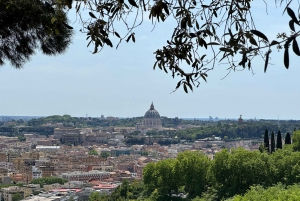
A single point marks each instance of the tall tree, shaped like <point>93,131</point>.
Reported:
<point>28,26</point>
<point>17,197</point>
<point>192,170</point>
<point>95,196</point>
<point>296,140</point>
<point>266,140</point>
<point>287,139</point>
<point>279,141</point>
<point>272,142</point>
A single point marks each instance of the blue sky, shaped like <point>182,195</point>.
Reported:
<point>122,82</point>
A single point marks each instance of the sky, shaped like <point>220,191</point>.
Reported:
<point>122,82</point>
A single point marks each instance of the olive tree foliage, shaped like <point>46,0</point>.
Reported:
<point>207,32</point>
<point>296,140</point>
<point>189,170</point>
<point>276,192</point>
<point>27,26</point>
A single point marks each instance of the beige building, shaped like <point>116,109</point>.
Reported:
<point>8,193</point>
<point>59,132</point>
<point>3,157</point>
<point>139,166</point>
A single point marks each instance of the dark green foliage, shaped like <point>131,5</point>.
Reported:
<point>277,192</point>
<point>65,119</point>
<point>266,140</point>
<point>27,26</point>
<point>197,28</point>
<point>93,152</point>
<point>104,154</point>
<point>272,142</point>
<point>17,197</point>
<point>189,169</point>
<point>287,139</point>
<point>296,140</point>
<point>279,141</point>
<point>48,180</point>
<point>127,191</point>
<point>231,173</point>
<point>124,188</point>
<point>95,196</point>
<point>236,171</point>
<point>21,138</point>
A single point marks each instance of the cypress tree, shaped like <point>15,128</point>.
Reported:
<point>272,142</point>
<point>266,140</point>
<point>287,139</point>
<point>279,142</point>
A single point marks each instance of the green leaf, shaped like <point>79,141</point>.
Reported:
<point>53,19</point>
<point>291,24</point>
<point>202,57</point>
<point>108,42</point>
<point>267,60</point>
<point>223,49</point>
<point>89,43</point>
<point>253,41</point>
<point>286,58</point>
<point>292,15</point>
<point>133,3</point>
<point>213,43</point>
<point>296,47</point>
<point>116,33</point>
<point>68,26</point>
<point>259,34</point>
<point>165,7</point>
<point>127,40</point>
<point>185,88</point>
<point>154,65</point>
<point>197,25</point>
<point>178,85</point>
<point>203,77</point>
<point>92,15</point>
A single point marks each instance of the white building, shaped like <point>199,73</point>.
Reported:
<point>47,148</point>
<point>36,173</point>
<point>86,176</point>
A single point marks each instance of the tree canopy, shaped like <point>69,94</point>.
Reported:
<point>48,180</point>
<point>277,192</point>
<point>27,26</point>
<point>206,32</point>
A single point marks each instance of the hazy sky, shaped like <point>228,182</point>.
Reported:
<point>122,82</point>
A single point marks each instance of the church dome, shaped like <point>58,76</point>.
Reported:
<point>152,113</point>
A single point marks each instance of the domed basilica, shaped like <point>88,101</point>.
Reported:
<point>151,119</point>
